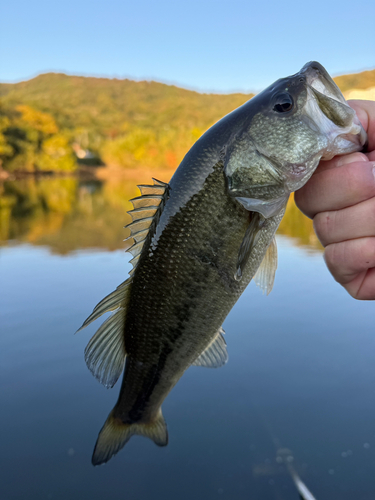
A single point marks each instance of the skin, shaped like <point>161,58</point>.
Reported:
<point>340,198</point>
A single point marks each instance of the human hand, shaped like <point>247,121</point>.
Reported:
<point>340,198</point>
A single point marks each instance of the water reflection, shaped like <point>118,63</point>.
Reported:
<point>67,214</point>
<point>304,355</point>
<point>170,316</point>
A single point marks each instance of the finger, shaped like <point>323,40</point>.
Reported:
<point>340,161</point>
<point>347,259</point>
<point>362,287</point>
<point>357,221</point>
<point>337,188</point>
<point>366,113</point>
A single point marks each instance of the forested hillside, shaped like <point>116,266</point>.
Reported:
<point>49,121</point>
<point>124,122</point>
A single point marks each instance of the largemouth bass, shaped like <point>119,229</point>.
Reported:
<point>199,240</point>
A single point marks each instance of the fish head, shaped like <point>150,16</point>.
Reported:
<point>289,128</point>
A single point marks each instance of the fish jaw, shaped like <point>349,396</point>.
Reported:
<point>332,116</point>
<point>291,126</point>
<point>326,113</point>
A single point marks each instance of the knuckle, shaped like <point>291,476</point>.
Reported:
<point>331,258</point>
<point>360,180</point>
<point>301,200</point>
<point>367,252</point>
<point>338,260</point>
<point>324,226</point>
<point>353,292</point>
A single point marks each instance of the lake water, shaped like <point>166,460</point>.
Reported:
<point>301,370</point>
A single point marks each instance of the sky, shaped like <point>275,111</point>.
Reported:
<point>205,45</point>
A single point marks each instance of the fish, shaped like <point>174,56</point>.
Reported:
<point>199,240</point>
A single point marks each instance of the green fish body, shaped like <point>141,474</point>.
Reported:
<point>200,240</point>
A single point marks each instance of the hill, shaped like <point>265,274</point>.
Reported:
<point>46,122</point>
<point>360,81</point>
<point>125,122</point>
<point>105,105</point>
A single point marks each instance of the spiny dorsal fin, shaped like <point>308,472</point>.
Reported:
<point>147,200</point>
<point>265,276</point>
<point>160,183</point>
<point>153,190</point>
<point>105,353</point>
<point>145,215</point>
<point>215,355</point>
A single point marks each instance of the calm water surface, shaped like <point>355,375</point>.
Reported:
<point>301,368</point>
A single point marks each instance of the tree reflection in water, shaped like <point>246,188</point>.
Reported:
<point>67,214</point>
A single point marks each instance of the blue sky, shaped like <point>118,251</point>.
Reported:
<point>206,45</point>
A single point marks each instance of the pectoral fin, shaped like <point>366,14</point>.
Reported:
<point>248,243</point>
<point>265,276</point>
<point>266,208</point>
<point>215,355</point>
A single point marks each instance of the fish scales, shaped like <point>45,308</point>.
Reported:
<point>200,240</point>
<point>184,289</point>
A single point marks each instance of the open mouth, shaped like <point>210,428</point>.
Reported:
<point>336,119</point>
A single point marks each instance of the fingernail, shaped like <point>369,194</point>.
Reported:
<point>373,167</point>
<point>344,160</point>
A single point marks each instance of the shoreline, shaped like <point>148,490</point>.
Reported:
<point>101,173</point>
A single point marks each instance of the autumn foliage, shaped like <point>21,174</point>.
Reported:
<point>53,120</point>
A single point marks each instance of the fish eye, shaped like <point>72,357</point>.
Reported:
<point>283,103</point>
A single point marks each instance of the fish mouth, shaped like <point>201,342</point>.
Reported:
<point>327,108</point>
<point>318,78</point>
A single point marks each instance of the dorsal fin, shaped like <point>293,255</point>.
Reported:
<point>159,183</point>
<point>145,216</point>
<point>118,298</point>
<point>105,353</point>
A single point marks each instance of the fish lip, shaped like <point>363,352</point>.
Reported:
<point>318,78</point>
<point>318,81</point>
<point>363,135</point>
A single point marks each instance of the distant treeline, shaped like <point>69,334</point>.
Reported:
<point>48,122</point>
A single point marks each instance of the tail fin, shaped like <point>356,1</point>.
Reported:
<point>115,434</point>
